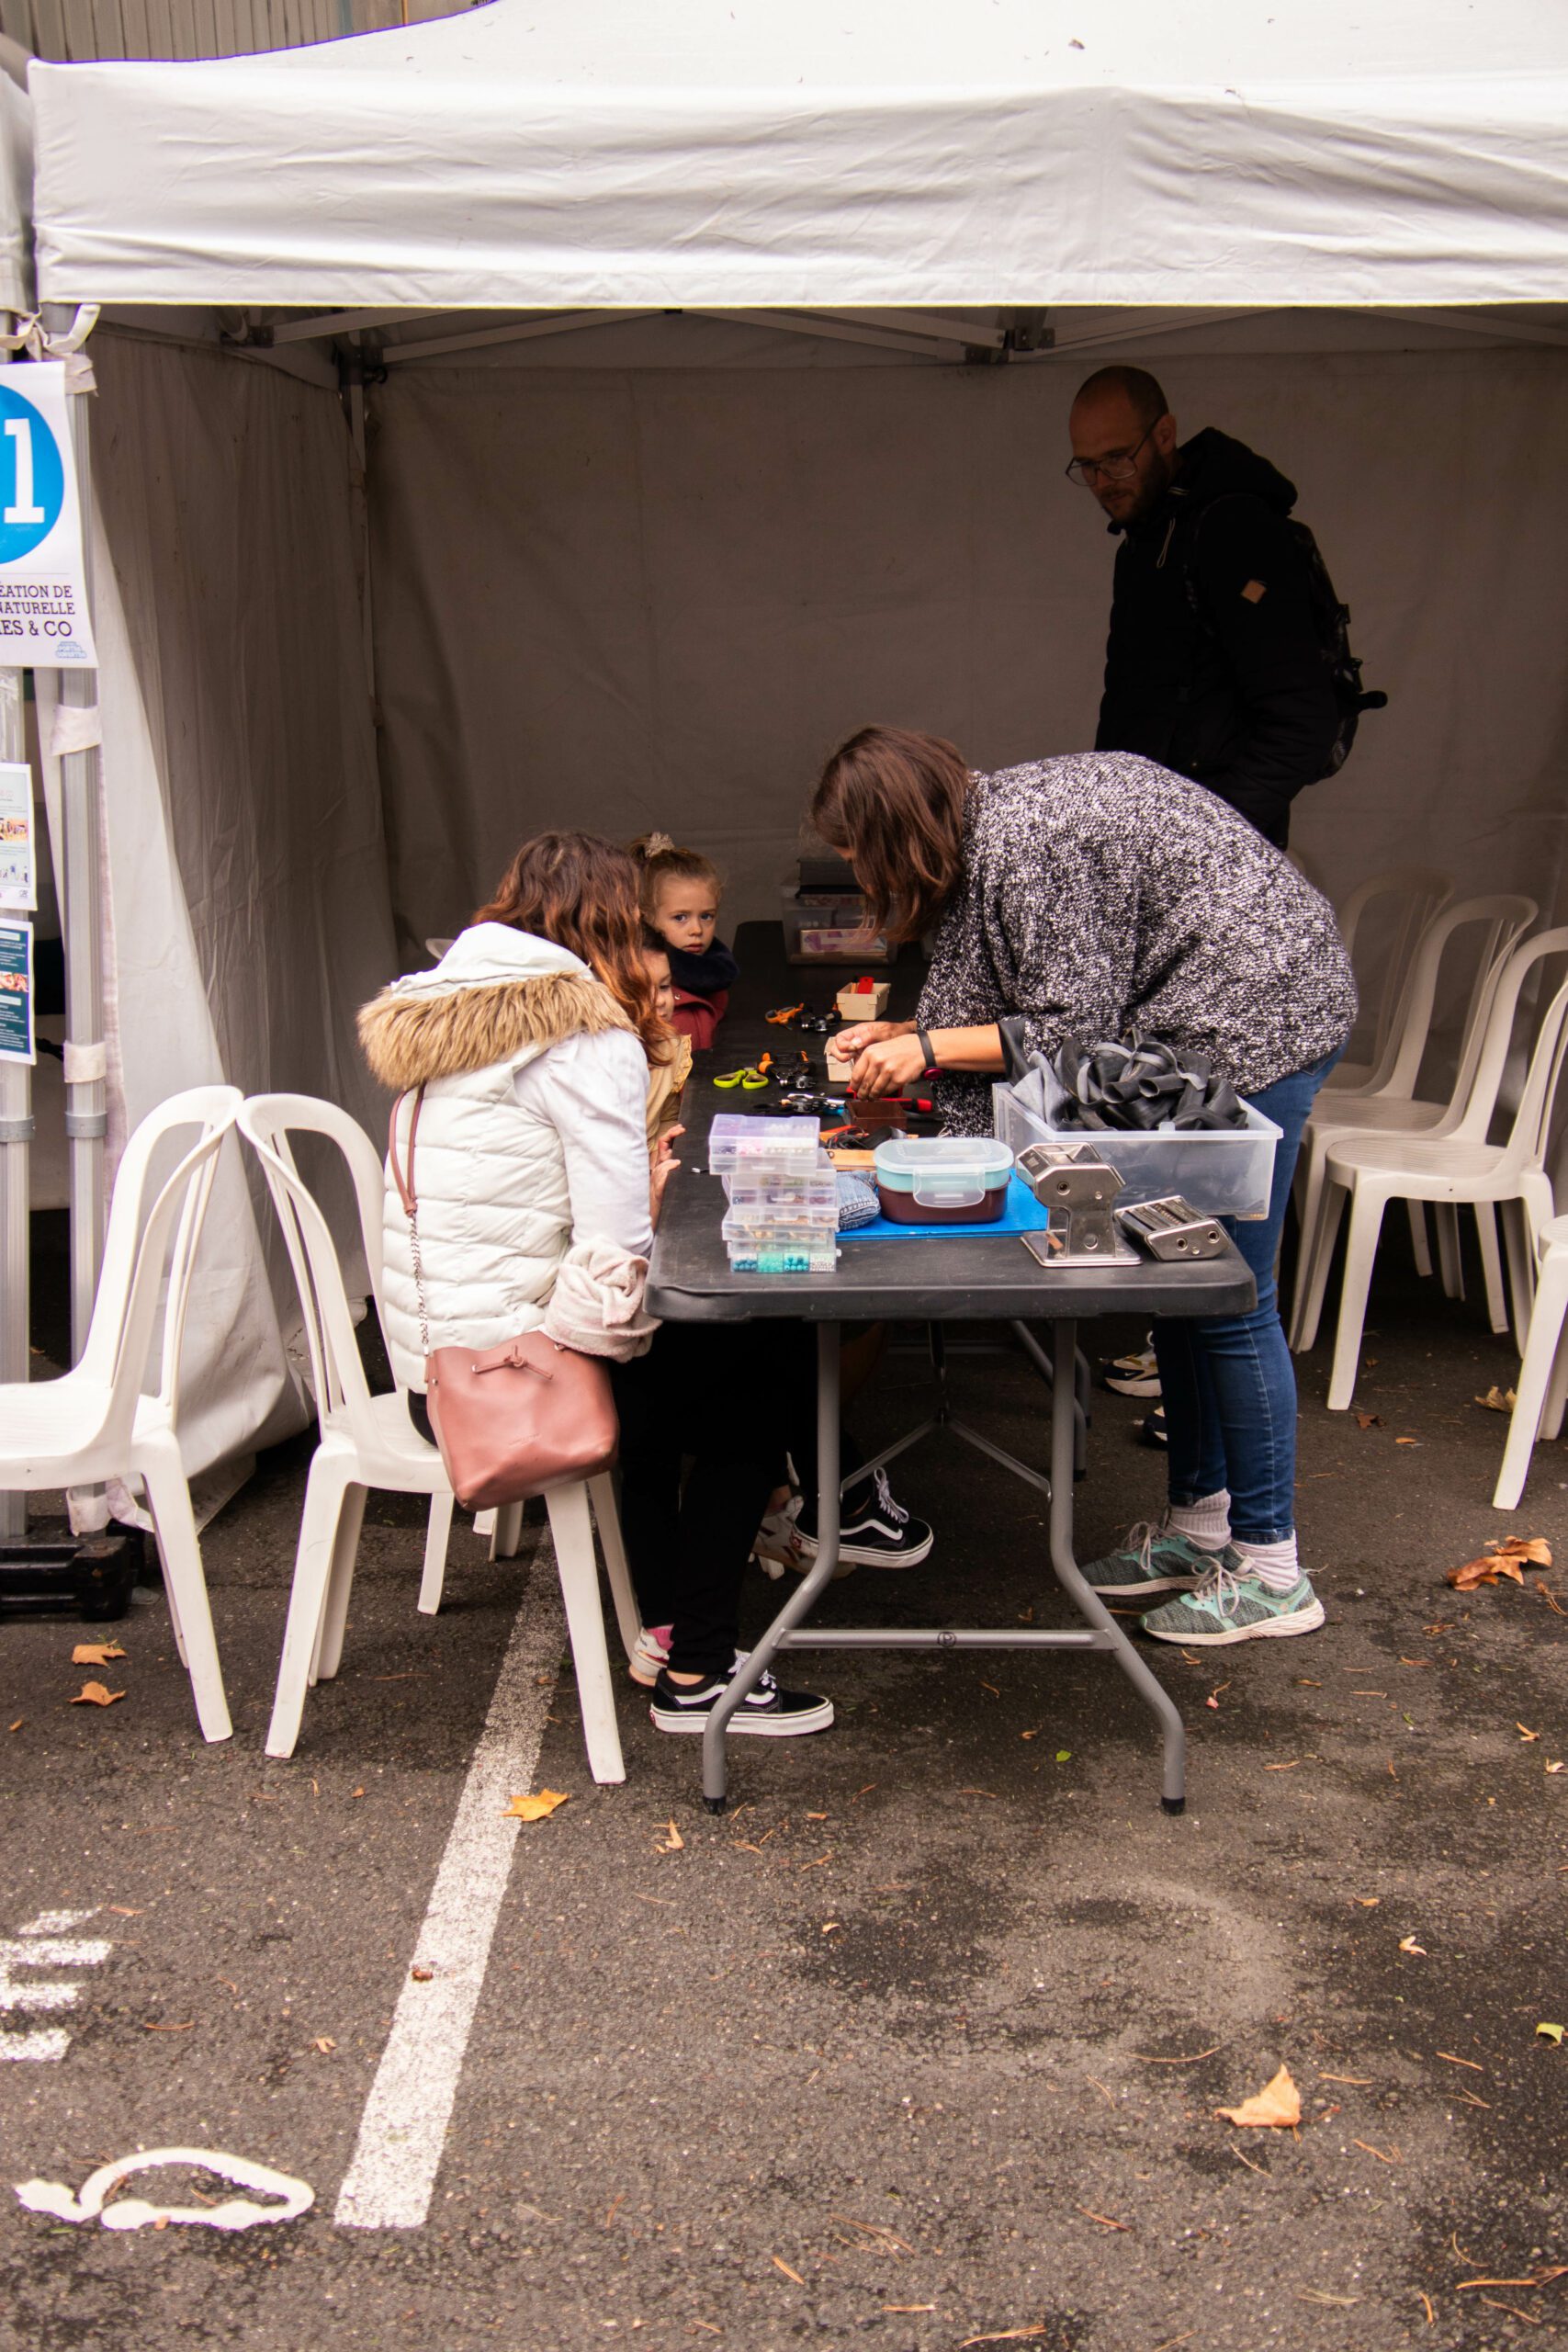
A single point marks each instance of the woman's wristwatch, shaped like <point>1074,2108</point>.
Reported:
<point>928,1052</point>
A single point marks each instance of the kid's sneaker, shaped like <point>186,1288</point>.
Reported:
<point>649,1652</point>
<point>1229,1607</point>
<point>767,1711</point>
<point>1134,1374</point>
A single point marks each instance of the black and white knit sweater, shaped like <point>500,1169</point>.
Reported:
<point>1102,894</point>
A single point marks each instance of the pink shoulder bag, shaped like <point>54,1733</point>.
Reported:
<point>514,1420</point>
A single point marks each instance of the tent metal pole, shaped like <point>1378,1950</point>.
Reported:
<point>86,1095</point>
<point>15,1141</point>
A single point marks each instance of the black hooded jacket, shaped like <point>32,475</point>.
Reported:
<point>1213,666</point>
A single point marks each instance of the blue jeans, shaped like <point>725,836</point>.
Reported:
<point>1227,1382</point>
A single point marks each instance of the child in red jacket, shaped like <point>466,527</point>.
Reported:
<point>680,891</point>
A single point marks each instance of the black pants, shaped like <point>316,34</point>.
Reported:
<point>732,1396</point>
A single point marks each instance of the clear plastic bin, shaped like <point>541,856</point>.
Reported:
<point>761,1188</point>
<point>942,1180</point>
<point>829,927</point>
<point>734,1141</point>
<point>1224,1171</point>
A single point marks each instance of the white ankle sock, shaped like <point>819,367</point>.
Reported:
<point>1206,1522</point>
<point>1275,1565</point>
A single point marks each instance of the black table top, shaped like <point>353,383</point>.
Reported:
<point>968,1276</point>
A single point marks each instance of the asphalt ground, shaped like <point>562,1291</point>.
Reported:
<point>919,2045</point>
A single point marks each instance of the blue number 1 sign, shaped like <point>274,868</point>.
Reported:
<point>32,477</point>
<point>44,620</point>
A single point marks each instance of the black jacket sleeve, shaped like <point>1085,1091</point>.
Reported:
<point>1250,575</point>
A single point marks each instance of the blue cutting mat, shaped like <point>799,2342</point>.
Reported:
<point>1022,1214</point>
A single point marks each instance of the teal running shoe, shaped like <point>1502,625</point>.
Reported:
<point>1155,1559</point>
<point>1229,1607</point>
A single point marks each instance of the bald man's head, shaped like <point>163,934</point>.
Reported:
<point>1123,439</point>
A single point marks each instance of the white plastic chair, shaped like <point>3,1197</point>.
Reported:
<point>369,1440</point>
<point>1392,1107</point>
<point>1419,893</point>
<point>1542,1390</point>
<point>1460,1168</point>
<point>95,1422</point>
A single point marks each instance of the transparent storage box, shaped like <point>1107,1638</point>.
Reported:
<point>735,1141</point>
<point>942,1180</point>
<point>779,1246</point>
<point>759,1188</point>
<point>1224,1171</point>
<point>829,927</point>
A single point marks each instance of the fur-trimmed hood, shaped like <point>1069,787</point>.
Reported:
<point>497,993</point>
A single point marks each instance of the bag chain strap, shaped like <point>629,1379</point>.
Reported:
<point>410,1208</point>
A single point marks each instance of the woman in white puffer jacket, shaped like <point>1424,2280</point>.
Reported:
<point>532,1040</point>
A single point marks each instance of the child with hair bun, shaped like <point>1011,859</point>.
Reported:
<point>680,891</point>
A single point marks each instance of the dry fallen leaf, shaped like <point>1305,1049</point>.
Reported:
<point>1407,1440</point>
<point>1553,2033</point>
<point>1525,1732</point>
<point>1278,2103</point>
<point>1368,1420</point>
<point>1554,1768</point>
<point>1498,1400</point>
<point>95,1694</point>
<point>671,1842</point>
<point>788,2271</point>
<point>95,1653</point>
<point>17,1725</point>
<point>1408,1943</point>
<point>325,2044</point>
<point>1367,1902</point>
<point>422,1976</point>
<point>1507,1557</point>
<point>537,1808</point>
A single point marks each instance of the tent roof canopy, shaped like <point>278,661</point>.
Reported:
<point>617,154</point>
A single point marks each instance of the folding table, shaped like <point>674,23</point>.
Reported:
<point>967,1278</point>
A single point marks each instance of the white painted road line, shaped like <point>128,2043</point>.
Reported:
<point>45,1942</point>
<point>403,2129</point>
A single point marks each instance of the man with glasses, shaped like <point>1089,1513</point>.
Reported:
<point>1215,664</point>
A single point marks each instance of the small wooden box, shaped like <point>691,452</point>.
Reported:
<point>864,1004</point>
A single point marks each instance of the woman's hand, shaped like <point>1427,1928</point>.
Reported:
<point>664,1166</point>
<point>888,1065</point>
<point>848,1043</point>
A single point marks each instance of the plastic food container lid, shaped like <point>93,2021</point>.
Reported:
<point>943,1172</point>
<point>734,1139</point>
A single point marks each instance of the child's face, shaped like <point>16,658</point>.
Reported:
<point>658,971</point>
<point>685,914</point>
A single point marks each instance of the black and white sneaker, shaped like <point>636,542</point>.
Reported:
<point>874,1531</point>
<point>768,1711</point>
<point>1134,1374</point>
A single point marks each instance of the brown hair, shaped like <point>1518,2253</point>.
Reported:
<point>581,892</point>
<point>663,861</point>
<point>893,802</point>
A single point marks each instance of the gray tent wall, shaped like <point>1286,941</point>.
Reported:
<point>654,590</point>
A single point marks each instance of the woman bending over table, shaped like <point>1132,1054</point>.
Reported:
<point>1088,897</point>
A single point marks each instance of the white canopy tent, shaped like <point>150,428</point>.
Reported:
<point>647,574</point>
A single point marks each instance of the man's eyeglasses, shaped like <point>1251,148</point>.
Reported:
<point>1122,465</point>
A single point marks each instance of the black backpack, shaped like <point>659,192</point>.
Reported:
<point>1331,627</point>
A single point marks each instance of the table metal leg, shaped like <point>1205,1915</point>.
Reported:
<point>1084,1598</point>
<point>820,1574</point>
